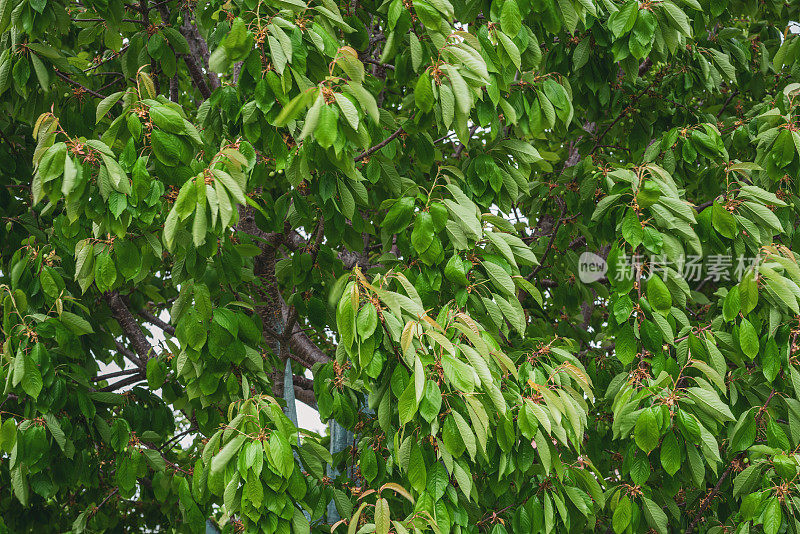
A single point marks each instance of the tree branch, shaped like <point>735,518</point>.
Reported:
<point>368,152</point>
<point>552,240</point>
<point>115,374</point>
<point>378,63</point>
<point>313,245</point>
<point>128,354</point>
<point>138,377</point>
<point>77,84</point>
<point>305,396</point>
<point>152,319</point>
<point>705,503</point>
<point>191,61</point>
<point>8,142</point>
<point>198,47</point>
<point>130,327</point>
<point>301,348</point>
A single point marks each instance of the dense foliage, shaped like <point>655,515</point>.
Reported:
<point>537,254</point>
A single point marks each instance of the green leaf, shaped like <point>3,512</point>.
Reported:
<point>8,434</point>
<point>632,229</point>
<point>670,454</point>
<point>724,221</point>
<point>221,459</point>
<point>748,339</point>
<point>280,455</point>
<point>382,516</point>
<point>327,129</point>
<point>678,17</point>
<point>467,435</point>
<point>417,473</point>
<point>55,429</point>
<point>105,272</point>
<point>106,104</point>
<point>399,215</point>
<point>32,378</point>
<point>658,294</point>
<point>510,18</point>
<point>510,49</point>
<point>731,306</point>
<point>348,110</point>
<point>293,109</point>
<point>622,515</point>
<point>407,404</point>
<point>166,147</point>
<point>120,434</point>
<point>646,432</point>
<point>773,516</point>
<point>711,403</point>
<point>423,93</point>
<point>167,119</point>
<point>423,233</point>
<point>19,483</point>
<point>76,324</point>
<point>655,516</point>
<point>500,278</point>
<point>622,21</point>
<point>156,373</point>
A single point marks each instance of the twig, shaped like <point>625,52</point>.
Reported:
<point>191,62</point>
<point>552,240</point>
<point>77,84</point>
<point>368,152</point>
<point>129,354</point>
<point>622,115</point>
<point>8,142</point>
<point>109,58</point>
<point>378,63</point>
<point>728,101</point>
<point>177,437</point>
<point>704,205</point>
<point>462,146</point>
<point>96,508</point>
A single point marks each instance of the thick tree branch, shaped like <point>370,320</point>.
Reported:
<point>305,396</point>
<point>138,377</point>
<point>115,374</point>
<point>152,319</point>
<point>314,243</point>
<point>130,327</point>
<point>198,47</point>
<point>301,348</point>
<point>191,60</point>
<point>134,359</point>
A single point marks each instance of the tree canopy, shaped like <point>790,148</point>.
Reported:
<point>538,256</point>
